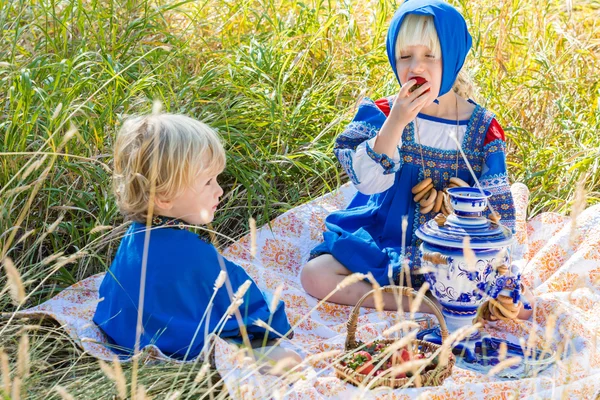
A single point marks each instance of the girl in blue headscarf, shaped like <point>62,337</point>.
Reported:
<point>168,286</point>
<point>404,142</point>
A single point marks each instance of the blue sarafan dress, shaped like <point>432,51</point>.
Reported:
<point>181,271</point>
<point>367,235</point>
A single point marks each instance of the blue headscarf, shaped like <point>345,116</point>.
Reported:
<point>455,40</point>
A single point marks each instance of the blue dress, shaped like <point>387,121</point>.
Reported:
<point>367,235</point>
<point>181,272</point>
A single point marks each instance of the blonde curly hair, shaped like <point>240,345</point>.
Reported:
<point>164,153</point>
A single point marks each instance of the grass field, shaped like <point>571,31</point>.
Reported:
<point>279,80</point>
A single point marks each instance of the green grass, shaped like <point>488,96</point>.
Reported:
<point>279,80</point>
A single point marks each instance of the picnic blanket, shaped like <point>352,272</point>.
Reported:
<point>559,259</point>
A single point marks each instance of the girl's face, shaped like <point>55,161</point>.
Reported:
<point>419,61</point>
<point>198,203</point>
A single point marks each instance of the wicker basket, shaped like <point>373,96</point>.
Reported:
<point>433,377</point>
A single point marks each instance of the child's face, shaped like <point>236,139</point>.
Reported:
<point>419,61</point>
<point>198,203</point>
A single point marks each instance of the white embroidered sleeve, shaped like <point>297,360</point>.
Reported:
<point>375,173</point>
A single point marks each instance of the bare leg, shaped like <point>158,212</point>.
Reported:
<point>322,274</point>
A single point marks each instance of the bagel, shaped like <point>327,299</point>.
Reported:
<point>503,312</point>
<point>505,300</point>
<point>430,199</point>
<point>421,185</point>
<point>438,202</point>
<point>423,193</point>
<point>459,182</point>
<point>425,210</point>
<point>444,209</point>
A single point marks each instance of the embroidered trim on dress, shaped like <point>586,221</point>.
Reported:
<point>344,156</point>
<point>170,222</point>
<point>389,166</point>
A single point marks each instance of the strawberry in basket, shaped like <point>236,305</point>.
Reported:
<point>376,361</point>
<point>361,362</point>
<point>377,365</point>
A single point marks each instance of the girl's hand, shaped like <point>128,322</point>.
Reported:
<point>407,105</point>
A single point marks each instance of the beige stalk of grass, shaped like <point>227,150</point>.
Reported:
<point>26,235</point>
<point>100,228</point>
<point>377,294</point>
<point>462,333</point>
<point>403,342</point>
<point>549,329</point>
<point>57,110</point>
<point>469,254</point>
<point>55,224</point>
<point>404,326</point>
<point>220,280</point>
<point>239,294</point>
<point>5,370</point>
<point>252,223</point>
<point>233,307</point>
<point>115,374</point>
<point>15,393</point>
<point>51,258</point>
<point>202,373</point>
<point>277,395</point>
<point>23,357</point>
<point>509,362</point>
<point>174,396</point>
<point>318,357</point>
<point>14,281</point>
<point>412,366</point>
<point>62,261</point>
<point>348,281</point>
<point>276,297</point>
<point>532,341</point>
<point>414,307</point>
<point>283,365</point>
<point>272,309</point>
<point>120,380</point>
<point>33,167</point>
<point>17,190</point>
<point>72,131</point>
<point>262,324</point>
<point>107,370</point>
<point>502,351</point>
<point>141,393</point>
<point>62,392</point>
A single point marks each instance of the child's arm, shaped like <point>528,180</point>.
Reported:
<point>494,176</point>
<point>404,110</point>
<point>369,171</point>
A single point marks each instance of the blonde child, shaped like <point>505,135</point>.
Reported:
<point>165,171</point>
<point>395,143</point>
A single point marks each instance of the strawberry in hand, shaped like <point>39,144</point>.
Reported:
<point>420,82</point>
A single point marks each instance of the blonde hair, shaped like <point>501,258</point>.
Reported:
<point>167,151</point>
<point>419,30</point>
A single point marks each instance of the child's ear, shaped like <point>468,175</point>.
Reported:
<point>162,203</point>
